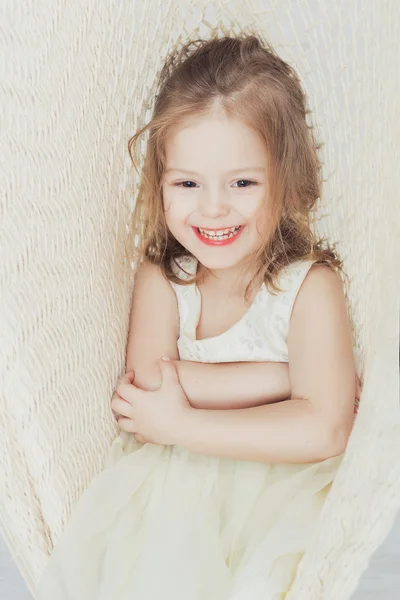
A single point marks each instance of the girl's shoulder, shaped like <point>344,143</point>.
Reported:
<point>292,275</point>
<point>294,278</point>
<point>316,274</point>
<point>306,283</point>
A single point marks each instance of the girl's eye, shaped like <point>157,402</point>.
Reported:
<point>248,181</point>
<point>180,184</point>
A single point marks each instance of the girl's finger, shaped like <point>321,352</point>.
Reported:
<point>127,378</point>
<point>116,396</point>
<point>124,389</point>
<point>122,407</point>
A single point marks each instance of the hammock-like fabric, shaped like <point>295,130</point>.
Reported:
<point>79,80</point>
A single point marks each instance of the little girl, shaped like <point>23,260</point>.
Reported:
<point>214,488</point>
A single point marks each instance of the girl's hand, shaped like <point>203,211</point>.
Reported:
<point>127,378</point>
<point>156,416</point>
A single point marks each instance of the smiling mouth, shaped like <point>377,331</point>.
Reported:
<point>219,234</point>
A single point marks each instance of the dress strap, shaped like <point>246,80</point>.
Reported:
<point>290,282</point>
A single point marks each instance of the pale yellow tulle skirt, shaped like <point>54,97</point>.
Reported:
<point>162,523</point>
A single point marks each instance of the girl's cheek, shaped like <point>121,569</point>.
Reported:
<point>177,212</point>
<point>168,197</point>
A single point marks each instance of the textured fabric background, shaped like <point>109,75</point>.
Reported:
<point>77,79</point>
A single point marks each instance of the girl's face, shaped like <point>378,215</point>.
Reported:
<point>216,180</point>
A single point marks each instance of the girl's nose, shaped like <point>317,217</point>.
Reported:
<point>214,206</point>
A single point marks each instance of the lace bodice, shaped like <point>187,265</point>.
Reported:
<point>260,335</point>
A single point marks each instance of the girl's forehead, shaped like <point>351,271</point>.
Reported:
<point>228,143</point>
<point>214,125</point>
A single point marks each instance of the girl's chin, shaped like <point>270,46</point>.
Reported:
<point>215,262</point>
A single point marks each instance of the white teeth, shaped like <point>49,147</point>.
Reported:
<point>220,234</point>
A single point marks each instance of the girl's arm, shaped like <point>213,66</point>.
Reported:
<point>316,422</point>
<point>233,385</point>
<point>153,332</point>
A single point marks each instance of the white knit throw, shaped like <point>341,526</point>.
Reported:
<point>77,79</point>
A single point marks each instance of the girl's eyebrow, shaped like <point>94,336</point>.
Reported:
<point>231,172</point>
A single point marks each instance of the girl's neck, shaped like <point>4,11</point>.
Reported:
<point>232,281</point>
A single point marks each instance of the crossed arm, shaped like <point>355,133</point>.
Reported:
<point>225,385</point>
<point>257,411</point>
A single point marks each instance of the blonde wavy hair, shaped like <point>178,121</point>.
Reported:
<point>245,76</point>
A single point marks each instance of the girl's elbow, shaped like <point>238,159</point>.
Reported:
<point>336,441</point>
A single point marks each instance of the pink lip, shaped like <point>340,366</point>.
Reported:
<point>209,242</point>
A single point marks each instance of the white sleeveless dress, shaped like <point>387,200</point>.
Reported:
<point>163,523</point>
